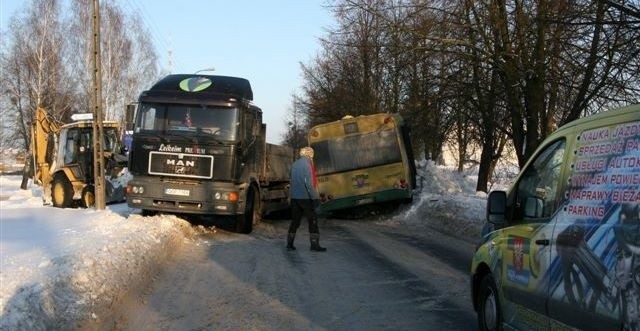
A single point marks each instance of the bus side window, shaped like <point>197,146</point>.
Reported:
<point>537,191</point>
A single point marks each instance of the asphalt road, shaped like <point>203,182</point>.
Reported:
<point>373,277</point>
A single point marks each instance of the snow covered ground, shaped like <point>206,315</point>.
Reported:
<point>61,266</point>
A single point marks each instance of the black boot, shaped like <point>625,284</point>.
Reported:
<point>315,243</point>
<point>290,238</point>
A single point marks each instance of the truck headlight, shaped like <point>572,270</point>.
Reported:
<point>135,189</point>
<point>226,196</point>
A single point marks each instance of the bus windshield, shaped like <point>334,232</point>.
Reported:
<point>162,118</point>
<point>356,151</point>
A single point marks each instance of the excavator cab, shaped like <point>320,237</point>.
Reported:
<point>78,153</point>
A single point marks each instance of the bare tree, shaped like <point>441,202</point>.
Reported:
<point>503,69</point>
<point>33,68</point>
<point>142,70</point>
<point>559,60</point>
<point>128,58</point>
<point>46,63</point>
<point>296,136</point>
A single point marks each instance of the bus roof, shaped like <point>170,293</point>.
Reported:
<point>354,125</point>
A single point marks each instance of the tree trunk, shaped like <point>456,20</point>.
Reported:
<point>484,171</point>
<point>497,155</point>
<point>27,172</point>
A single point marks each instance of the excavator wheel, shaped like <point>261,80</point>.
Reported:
<point>88,197</point>
<point>61,191</point>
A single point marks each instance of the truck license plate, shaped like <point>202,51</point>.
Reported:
<point>177,191</point>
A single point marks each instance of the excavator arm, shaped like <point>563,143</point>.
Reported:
<point>44,136</point>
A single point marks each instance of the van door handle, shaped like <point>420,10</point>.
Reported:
<point>543,242</point>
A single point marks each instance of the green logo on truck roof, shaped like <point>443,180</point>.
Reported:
<point>195,84</point>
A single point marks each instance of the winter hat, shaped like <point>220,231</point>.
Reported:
<point>306,151</point>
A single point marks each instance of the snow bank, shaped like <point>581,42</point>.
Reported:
<point>61,266</point>
<point>447,201</point>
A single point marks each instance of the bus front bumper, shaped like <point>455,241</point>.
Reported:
<point>399,195</point>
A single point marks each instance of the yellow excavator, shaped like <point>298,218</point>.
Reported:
<point>63,160</point>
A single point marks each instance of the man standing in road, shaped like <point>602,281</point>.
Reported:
<point>304,199</point>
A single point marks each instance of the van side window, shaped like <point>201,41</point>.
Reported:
<point>537,192</point>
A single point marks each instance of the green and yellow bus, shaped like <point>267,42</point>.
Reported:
<point>362,161</point>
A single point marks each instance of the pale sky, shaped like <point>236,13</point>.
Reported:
<point>263,41</point>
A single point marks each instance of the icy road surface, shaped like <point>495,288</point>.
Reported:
<point>373,277</point>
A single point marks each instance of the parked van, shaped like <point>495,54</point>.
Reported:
<point>565,249</point>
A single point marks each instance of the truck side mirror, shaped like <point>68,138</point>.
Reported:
<point>497,207</point>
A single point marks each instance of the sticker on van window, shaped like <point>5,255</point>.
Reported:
<point>605,171</point>
<point>597,235</point>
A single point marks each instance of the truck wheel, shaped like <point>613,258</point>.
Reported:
<point>244,222</point>
<point>88,197</point>
<point>489,311</point>
<point>147,212</point>
<point>61,191</point>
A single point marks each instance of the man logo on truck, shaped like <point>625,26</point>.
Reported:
<point>181,163</point>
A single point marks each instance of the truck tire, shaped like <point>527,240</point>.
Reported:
<point>147,212</point>
<point>88,198</point>
<point>61,191</point>
<point>244,222</point>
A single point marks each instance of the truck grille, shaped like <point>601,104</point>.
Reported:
<point>180,165</point>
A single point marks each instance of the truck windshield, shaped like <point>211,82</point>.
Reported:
<point>220,122</point>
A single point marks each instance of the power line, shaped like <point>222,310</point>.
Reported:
<point>156,33</point>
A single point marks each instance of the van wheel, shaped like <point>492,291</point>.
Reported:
<point>489,313</point>
<point>244,222</point>
<point>88,197</point>
<point>61,191</point>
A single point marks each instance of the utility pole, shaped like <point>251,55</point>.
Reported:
<point>98,136</point>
